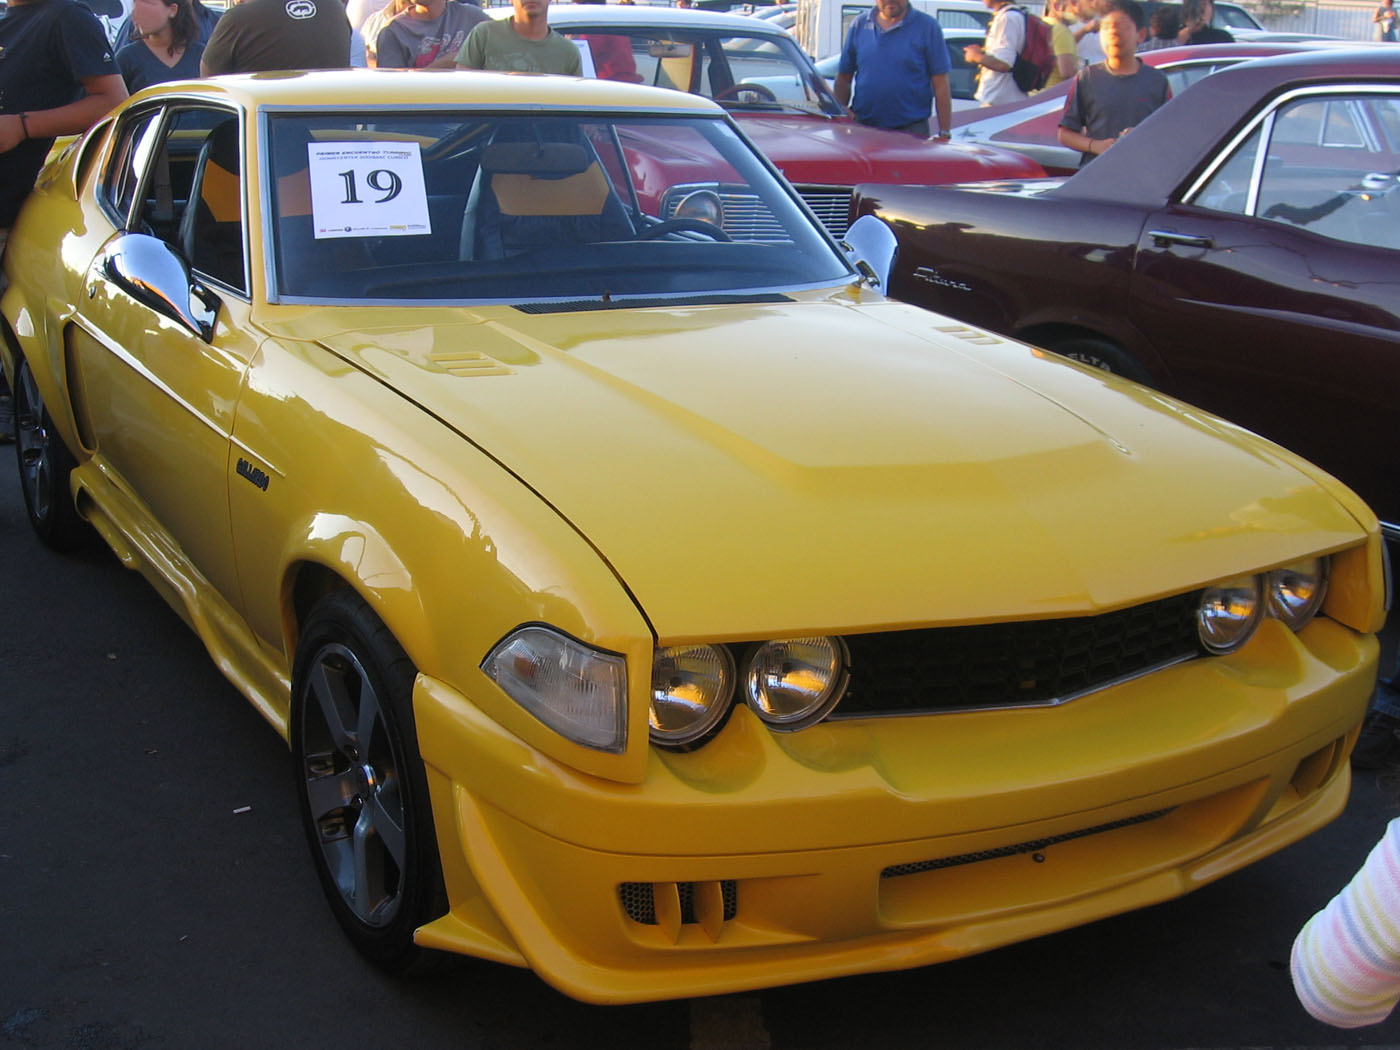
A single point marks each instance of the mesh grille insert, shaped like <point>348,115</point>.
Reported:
<point>639,902</point>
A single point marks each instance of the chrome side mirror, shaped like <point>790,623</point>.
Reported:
<point>872,246</point>
<point>154,274</point>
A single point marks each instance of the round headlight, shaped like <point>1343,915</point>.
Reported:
<point>1296,592</point>
<point>704,205</point>
<point>691,687</point>
<point>795,682</point>
<point>1229,614</point>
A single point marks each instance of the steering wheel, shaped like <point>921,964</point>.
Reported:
<point>733,90</point>
<point>661,229</point>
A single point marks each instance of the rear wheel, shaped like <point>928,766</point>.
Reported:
<point>44,466</point>
<point>361,784</point>
<point>1100,353</point>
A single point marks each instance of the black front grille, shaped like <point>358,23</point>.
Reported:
<point>1014,664</point>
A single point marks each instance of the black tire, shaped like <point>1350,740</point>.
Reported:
<point>1100,353</point>
<point>44,467</point>
<point>360,782</point>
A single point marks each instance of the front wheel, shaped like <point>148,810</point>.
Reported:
<point>44,466</point>
<point>1102,354</point>
<point>361,784</point>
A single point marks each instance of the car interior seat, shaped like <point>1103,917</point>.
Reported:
<point>211,228</point>
<point>535,194</point>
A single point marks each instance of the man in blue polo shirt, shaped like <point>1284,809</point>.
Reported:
<point>899,63</point>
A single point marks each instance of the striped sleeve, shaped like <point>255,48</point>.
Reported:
<point>1346,960</point>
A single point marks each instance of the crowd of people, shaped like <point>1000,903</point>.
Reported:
<point>59,74</point>
<point>894,64</point>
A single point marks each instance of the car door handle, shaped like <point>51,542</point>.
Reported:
<point>1166,238</point>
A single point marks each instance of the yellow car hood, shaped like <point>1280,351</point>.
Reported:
<point>825,465</point>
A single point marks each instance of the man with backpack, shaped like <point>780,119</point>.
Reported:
<point>899,63</point>
<point>1017,58</point>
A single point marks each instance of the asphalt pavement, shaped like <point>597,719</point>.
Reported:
<point>155,891</point>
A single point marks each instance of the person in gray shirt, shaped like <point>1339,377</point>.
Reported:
<point>427,36</point>
<point>1109,98</point>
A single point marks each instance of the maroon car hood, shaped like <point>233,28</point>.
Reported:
<point>826,152</point>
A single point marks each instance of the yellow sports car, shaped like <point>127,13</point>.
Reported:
<point>644,598</point>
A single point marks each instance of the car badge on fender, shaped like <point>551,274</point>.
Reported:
<point>253,474</point>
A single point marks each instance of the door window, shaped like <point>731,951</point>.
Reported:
<point>1330,168</point>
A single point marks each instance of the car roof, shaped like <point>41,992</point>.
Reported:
<point>644,16</point>
<point>344,88</point>
<point>1212,108</point>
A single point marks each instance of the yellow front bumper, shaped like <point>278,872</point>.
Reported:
<point>769,860</point>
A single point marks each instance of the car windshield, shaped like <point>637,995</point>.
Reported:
<point>435,206</point>
<point>739,71</point>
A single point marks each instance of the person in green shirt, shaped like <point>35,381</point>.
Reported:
<point>523,43</point>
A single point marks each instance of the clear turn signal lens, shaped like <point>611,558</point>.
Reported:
<point>792,683</point>
<point>1229,613</point>
<point>691,689</point>
<point>1296,592</point>
<point>576,690</point>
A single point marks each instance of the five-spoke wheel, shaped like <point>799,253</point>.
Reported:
<point>360,780</point>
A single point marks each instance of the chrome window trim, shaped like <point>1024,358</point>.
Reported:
<point>677,301</point>
<point>1223,156</point>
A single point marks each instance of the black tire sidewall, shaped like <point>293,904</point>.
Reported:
<point>1104,355</point>
<point>62,528</point>
<point>343,618</point>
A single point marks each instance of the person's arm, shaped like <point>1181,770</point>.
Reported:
<point>103,92</point>
<point>390,52</point>
<point>1082,142</point>
<point>979,56</point>
<point>218,52</point>
<point>943,105</point>
<point>1346,960</point>
<point>842,89</point>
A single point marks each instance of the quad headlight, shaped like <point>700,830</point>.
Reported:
<point>576,690</point>
<point>1229,613</point>
<point>691,690</point>
<point>794,682</point>
<point>1295,592</point>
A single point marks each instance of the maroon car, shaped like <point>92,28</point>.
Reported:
<point>759,74</point>
<point>1240,250</point>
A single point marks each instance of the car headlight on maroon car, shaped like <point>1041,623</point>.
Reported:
<point>794,682</point>
<point>1229,613</point>
<point>575,689</point>
<point>691,690</point>
<point>1295,592</point>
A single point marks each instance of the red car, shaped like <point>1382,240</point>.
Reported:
<point>760,75</point>
<point>1028,126</point>
<point>1240,250</point>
